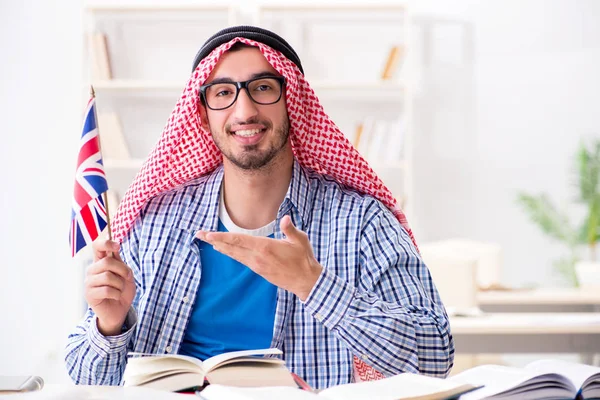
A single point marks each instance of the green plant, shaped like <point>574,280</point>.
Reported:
<point>556,223</point>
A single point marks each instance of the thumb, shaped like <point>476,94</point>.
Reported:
<point>289,230</point>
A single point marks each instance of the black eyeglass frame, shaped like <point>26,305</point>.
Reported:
<point>243,85</point>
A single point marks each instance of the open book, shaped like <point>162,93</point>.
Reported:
<point>177,372</point>
<point>400,387</point>
<point>543,379</point>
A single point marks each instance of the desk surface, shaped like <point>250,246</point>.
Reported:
<point>564,296</point>
<point>527,323</point>
<point>82,392</point>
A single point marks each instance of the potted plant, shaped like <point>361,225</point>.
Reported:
<point>556,223</point>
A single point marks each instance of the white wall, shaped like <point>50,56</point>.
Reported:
<point>40,112</point>
<point>508,119</point>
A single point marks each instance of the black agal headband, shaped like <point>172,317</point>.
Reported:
<point>249,32</point>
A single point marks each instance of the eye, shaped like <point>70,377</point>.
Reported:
<point>263,87</point>
<point>223,92</point>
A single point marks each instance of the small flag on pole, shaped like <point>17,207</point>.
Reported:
<point>89,214</point>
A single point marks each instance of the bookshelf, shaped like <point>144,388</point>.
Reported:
<point>150,47</point>
<point>357,59</point>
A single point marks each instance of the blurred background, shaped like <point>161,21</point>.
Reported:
<point>469,110</point>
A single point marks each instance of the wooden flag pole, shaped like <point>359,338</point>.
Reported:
<point>104,195</point>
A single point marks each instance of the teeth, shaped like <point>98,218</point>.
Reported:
<point>247,132</point>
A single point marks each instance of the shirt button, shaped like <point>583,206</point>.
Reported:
<point>319,317</point>
<point>169,349</point>
<point>365,357</point>
<point>186,299</point>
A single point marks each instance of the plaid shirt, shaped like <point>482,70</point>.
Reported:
<point>375,298</point>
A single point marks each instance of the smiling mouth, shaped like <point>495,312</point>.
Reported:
<point>247,132</point>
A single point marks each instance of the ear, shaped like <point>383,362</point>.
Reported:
<point>203,116</point>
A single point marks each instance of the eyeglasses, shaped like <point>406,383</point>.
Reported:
<point>264,90</point>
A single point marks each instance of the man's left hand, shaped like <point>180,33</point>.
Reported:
<point>288,263</point>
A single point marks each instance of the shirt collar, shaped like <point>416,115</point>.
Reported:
<point>204,215</point>
<point>299,195</point>
<point>198,214</point>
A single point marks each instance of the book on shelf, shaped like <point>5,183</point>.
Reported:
<point>542,379</point>
<point>405,386</point>
<point>112,140</point>
<point>358,134</point>
<point>380,141</point>
<point>392,63</point>
<point>392,151</point>
<point>99,58</point>
<point>174,372</point>
<point>364,135</point>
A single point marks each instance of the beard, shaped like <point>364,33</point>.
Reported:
<point>252,158</point>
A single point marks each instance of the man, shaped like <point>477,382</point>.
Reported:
<point>248,228</point>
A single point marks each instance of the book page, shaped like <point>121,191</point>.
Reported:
<point>214,362</point>
<point>575,372</point>
<point>498,379</point>
<point>218,392</point>
<point>174,382</point>
<point>176,359</point>
<point>250,374</point>
<point>404,386</point>
<point>150,367</point>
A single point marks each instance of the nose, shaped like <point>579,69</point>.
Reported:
<point>244,107</point>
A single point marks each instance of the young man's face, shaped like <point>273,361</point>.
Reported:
<point>250,135</point>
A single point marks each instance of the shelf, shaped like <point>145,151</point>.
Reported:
<point>369,91</point>
<point>394,165</point>
<point>131,84</point>
<point>134,163</point>
<point>321,6</point>
<point>144,53</point>
<point>316,84</point>
<point>183,6</point>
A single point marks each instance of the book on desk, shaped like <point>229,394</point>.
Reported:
<point>542,379</point>
<point>173,372</point>
<point>406,386</point>
<point>230,374</point>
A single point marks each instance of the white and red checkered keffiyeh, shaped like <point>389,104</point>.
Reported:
<point>186,151</point>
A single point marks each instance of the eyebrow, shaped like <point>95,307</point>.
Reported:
<point>264,74</point>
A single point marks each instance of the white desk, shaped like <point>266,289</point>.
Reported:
<point>527,333</point>
<point>535,300</point>
<point>73,392</point>
<point>566,296</point>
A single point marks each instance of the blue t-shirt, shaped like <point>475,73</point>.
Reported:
<point>234,308</point>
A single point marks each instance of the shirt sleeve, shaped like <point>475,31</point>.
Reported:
<point>394,320</point>
<point>92,358</point>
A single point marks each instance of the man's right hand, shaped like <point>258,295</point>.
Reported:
<point>109,287</point>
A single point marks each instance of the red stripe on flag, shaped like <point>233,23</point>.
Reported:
<point>82,197</point>
<point>88,149</point>
<point>98,170</point>
<point>89,222</point>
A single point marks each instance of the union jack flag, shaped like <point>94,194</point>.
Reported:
<point>88,216</point>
